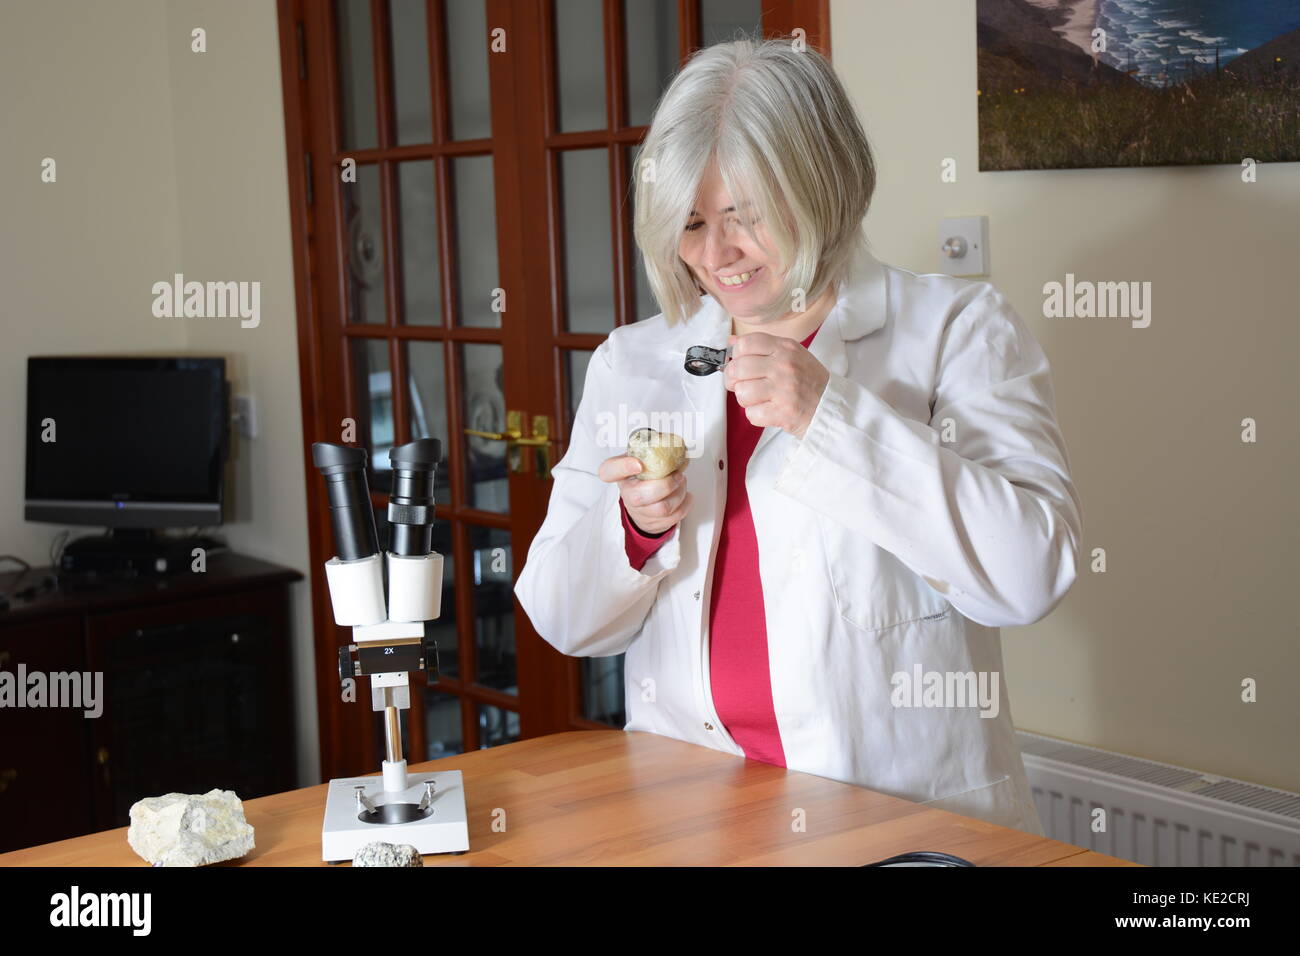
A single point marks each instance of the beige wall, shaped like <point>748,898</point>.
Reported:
<point>168,161</point>
<point>1199,529</point>
<point>227,118</point>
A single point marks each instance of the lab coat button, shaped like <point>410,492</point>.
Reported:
<point>697,595</point>
<point>719,464</point>
<point>707,725</point>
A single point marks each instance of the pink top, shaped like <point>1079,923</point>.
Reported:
<point>637,543</point>
<point>738,660</point>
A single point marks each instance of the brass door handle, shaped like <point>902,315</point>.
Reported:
<point>512,434</point>
<point>511,437</point>
<point>541,440</point>
<point>515,439</point>
<point>541,433</point>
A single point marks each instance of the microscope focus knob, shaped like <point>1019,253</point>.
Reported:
<point>430,649</point>
<point>345,663</point>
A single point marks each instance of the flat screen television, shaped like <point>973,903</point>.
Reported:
<point>126,443</point>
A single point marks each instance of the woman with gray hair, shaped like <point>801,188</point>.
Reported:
<point>873,486</point>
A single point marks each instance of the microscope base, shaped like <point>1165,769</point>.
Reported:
<point>445,830</point>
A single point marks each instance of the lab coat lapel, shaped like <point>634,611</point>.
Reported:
<point>705,394</point>
<point>860,309</point>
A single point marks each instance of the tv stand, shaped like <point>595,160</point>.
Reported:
<point>128,553</point>
<point>195,691</point>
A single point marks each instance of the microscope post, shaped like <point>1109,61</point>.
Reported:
<point>394,766</point>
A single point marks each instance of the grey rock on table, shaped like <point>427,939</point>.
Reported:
<point>388,854</point>
<point>183,829</point>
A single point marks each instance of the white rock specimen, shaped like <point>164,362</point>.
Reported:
<point>388,854</point>
<point>660,453</point>
<point>183,829</point>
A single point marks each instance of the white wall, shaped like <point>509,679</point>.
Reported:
<point>227,118</point>
<point>77,257</point>
<point>1199,529</point>
<point>168,161</point>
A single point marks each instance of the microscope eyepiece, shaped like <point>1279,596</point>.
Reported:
<point>351,513</point>
<point>337,459</point>
<point>421,453</point>
<point>410,507</point>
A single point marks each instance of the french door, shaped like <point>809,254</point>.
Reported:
<point>460,182</point>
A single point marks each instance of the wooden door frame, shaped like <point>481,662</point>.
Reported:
<point>549,683</point>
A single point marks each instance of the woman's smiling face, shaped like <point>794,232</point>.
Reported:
<point>727,262</point>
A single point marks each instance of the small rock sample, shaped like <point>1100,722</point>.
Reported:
<point>183,829</point>
<point>388,854</point>
<point>660,453</point>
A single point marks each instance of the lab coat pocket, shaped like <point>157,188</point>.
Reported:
<point>994,803</point>
<point>873,589</point>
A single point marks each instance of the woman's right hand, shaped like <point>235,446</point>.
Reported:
<point>654,505</point>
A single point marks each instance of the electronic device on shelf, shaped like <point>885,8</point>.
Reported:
<point>133,445</point>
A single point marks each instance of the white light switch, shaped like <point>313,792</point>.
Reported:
<point>963,246</point>
<point>245,415</point>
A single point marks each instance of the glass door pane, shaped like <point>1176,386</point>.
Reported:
<point>409,32</point>
<point>580,65</point>
<point>602,690</point>
<point>645,305</point>
<point>363,217</point>
<point>496,726</point>
<point>477,276</point>
<point>722,20</point>
<point>372,384</point>
<point>467,61</point>
<point>484,409</point>
<point>650,38</point>
<point>417,213</point>
<point>494,609</point>
<point>442,725</point>
<point>575,366</point>
<point>356,60</point>
<point>588,246</point>
<point>427,407</point>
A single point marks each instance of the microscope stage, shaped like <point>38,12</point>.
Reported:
<point>445,830</point>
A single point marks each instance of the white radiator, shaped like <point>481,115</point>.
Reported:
<point>1158,814</point>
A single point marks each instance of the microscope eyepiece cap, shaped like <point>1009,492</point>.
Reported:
<point>423,453</point>
<point>334,459</point>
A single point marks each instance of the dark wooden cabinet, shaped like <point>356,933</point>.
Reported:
<point>44,770</point>
<point>196,694</point>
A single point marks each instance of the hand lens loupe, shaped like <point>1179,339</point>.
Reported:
<point>923,858</point>
<point>702,360</point>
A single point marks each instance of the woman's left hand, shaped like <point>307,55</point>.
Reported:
<point>776,380</point>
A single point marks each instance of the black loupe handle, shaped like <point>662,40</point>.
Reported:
<point>702,360</point>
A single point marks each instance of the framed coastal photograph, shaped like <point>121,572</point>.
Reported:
<point>1067,84</point>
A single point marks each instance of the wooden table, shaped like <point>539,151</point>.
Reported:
<point>637,799</point>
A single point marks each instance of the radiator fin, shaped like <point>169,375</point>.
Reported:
<point>1157,813</point>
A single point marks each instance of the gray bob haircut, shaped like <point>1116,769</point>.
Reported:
<point>786,140</point>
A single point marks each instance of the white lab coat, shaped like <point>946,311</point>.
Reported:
<point>928,504</point>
